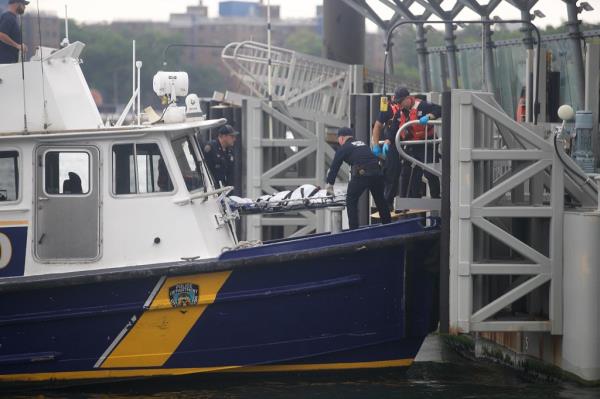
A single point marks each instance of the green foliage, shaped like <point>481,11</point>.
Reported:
<point>410,75</point>
<point>108,56</point>
<point>305,41</point>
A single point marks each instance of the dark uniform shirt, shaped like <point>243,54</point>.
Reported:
<point>220,162</point>
<point>391,129</point>
<point>9,26</point>
<point>358,155</point>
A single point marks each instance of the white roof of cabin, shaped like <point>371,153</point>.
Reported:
<point>57,96</point>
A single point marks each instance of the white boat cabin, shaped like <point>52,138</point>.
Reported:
<point>75,195</point>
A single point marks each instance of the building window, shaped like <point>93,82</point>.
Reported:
<point>139,169</point>
<point>188,163</point>
<point>9,176</point>
<point>67,173</point>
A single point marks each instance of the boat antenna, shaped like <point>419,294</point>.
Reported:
<point>269,68</point>
<point>65,42</point>
<point>42,66</point>
<point>23,75</point>
<point>133,91</point>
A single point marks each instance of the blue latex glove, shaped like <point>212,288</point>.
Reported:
<point>386,148</point>
<point>376,150</point>
<point>424,120</point>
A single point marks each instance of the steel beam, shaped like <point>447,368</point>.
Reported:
<point>511,326</point>
<point>577,56</point>
<point>508,269</point>
<point>510,297</point>
<point>592,88</point>
<point>512,242</point>
<point>476,119</point>
<point>435,7</point>
<point>403,7</point>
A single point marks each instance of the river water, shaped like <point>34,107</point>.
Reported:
<point>438,373</point>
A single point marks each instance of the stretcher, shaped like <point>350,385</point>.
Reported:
<point>305,197</point>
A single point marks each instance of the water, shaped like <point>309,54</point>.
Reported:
<point>437,373</point>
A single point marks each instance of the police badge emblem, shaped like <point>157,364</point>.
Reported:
<point>184,294</point>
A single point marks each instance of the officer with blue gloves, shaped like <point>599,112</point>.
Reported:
<point>365,174</point>
<point>385,128</point>
<point>404,108</point>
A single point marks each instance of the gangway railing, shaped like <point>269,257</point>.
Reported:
<point>304,83</point>
<point>301,81</point>
<point>432,166</point>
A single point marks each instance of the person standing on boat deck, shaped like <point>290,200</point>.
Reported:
<point>219,156</point>
<point>11,41</point>
<point>365,174</point>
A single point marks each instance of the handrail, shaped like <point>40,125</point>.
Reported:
<point>200,195</point>
<point>413,160</point>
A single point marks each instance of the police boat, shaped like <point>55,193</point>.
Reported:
<point>118,257</point>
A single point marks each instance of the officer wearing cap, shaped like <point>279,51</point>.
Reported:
<point>404,108</point>
<point>11,41</point>
<point>385,129</point>
<point>365,174</point>
<point>219,156</point>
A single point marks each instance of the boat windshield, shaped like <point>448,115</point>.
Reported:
<point>189,164</point>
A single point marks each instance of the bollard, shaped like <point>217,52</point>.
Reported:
<point>336,219</point>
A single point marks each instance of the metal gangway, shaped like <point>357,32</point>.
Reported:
<point>286,142</point>
<point>305,84</point>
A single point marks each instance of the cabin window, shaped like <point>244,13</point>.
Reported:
<point>188,163</point>
<point>67,172</point>
<point>139,169</point>
<point>9,176</point>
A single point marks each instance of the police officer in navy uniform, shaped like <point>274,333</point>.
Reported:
<point>385,128</point>
<point>10,34</point>
<point>365,174</point>
<point>219,156</point>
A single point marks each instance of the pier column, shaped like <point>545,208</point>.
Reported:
<point>575,37</point>
<point>423,54</point>
<point>451,49</point>
<point>343,33</point>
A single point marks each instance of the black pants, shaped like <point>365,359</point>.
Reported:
<point>391,173</point>
<point>357,185</point>
<point>411,177</point>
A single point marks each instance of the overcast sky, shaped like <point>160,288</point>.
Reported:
<point>158,10</point>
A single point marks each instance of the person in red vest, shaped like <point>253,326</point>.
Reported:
<point>385,128</point>
<point>521,112</point>
<point>411,109</point>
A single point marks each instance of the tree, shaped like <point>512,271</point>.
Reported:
<point>107,61</point>
<point>305,41</point>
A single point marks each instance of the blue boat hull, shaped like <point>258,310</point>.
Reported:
<point>359,299</point>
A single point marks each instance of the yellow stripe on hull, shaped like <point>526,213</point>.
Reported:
<point>11,223</point>
<point>133,373</point>
<point>162,328</point>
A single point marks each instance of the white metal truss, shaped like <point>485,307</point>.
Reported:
<point>266,176</point>
<point>310,96</point>
<point>478,206</point>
